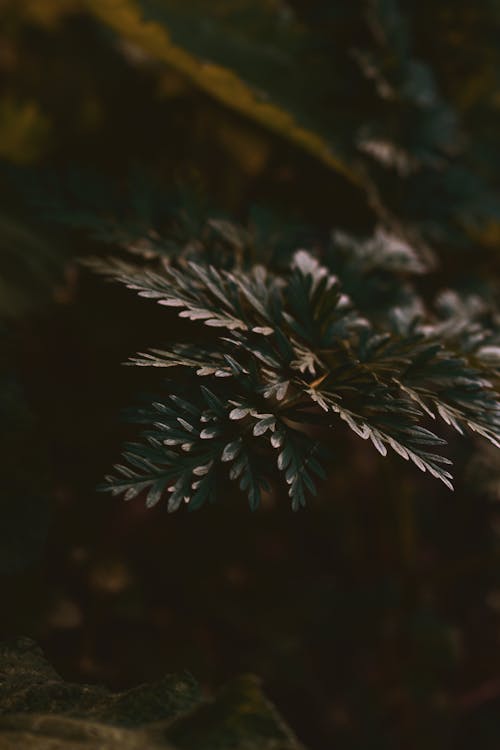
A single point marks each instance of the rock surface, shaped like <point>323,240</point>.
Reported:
<point>40,711</point>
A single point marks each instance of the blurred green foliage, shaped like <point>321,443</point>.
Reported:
<point>374,616</point>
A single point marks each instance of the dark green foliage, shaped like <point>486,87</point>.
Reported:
<point>343,332</point>
<point>353,72</point>
<point>296,359</point>
<point>366,132</point>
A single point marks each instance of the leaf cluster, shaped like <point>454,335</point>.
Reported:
<point>289,358</point>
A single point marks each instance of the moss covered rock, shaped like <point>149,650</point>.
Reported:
<point>40,710</point>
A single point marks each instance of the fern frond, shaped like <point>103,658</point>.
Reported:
<point>294,355</point>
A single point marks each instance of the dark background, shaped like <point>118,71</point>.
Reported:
<point>373,616</point>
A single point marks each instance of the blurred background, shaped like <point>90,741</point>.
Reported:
<point>373,617</point>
